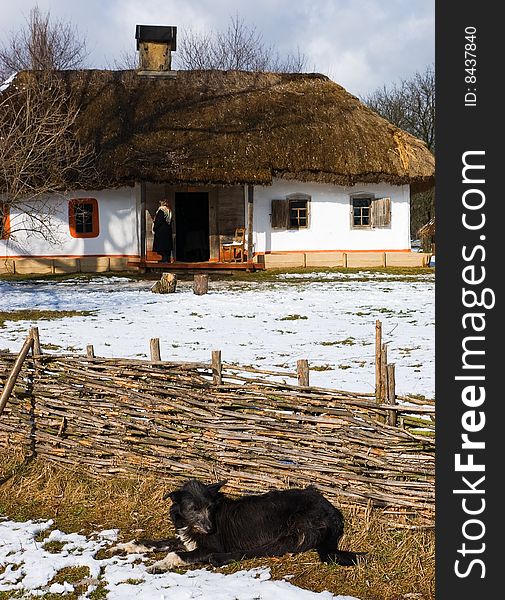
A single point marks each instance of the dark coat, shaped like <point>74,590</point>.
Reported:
<point>219,530</point>
<point>162,228</point>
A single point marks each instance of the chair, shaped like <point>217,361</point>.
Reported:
<point>235,251</point>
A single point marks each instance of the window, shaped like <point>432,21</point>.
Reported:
<point>370,212</point>
<point>361,212</point>
<point>83,217</point>
<point>4,221</point>
<point>291,213</point>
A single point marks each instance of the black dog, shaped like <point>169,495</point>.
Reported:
<point>212,528</point>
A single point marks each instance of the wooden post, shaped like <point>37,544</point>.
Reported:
<point>384,372</point>
<point>378,345</point>
<point>143,247</point>
<point>217,367</point>
<point>214,245</point>
<point>11,380</point>
<point>201,284</point>
<point>302,368</point>
<point>34,332</point>
<point>155,350</point>
<point>90,351</point>
<point>391,395</point>
<point>250,221</point>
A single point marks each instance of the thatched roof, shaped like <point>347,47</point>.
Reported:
<point>231,127</point>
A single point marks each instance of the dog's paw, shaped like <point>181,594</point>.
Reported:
<point>218,560</point>
<point>171,560</point>
<point>128,548</point>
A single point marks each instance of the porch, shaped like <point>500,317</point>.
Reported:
<point>153,266</point>
<point>205,223</point>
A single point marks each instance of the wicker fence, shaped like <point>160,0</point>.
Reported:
<point>214,420</point>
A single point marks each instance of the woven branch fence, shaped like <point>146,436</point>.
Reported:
<point>216,420</point>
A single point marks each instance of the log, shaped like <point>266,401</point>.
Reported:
<point>201,284</point>
<point>391,395</point>
<point>384,372</point>
<point>378,345</point>
<point>166,285</point>
<point>11,380</point>
<point>90,351</point>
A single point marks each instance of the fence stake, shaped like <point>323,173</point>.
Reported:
<point>11,380</point>
<point>391,395</point>
<point>34,332</point>
<point>155,350</point>
<point>90,351</point>
<point>384,372</point>
<point>217,367</point>
<point>378,344</point>
<point>302,368</point>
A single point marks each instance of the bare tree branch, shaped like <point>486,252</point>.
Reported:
<point>239,47</point>
<point>42,44</point>
<point>39,154</point>
<point>411,106</point>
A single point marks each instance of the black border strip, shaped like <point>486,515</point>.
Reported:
<point>468,129</point>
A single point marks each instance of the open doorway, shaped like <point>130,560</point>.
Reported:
<point>192,227</point>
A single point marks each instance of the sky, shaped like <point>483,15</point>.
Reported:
<point>361,44</point>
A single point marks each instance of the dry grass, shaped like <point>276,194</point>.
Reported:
<point>400,564</point>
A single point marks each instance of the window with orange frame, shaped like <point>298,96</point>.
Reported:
<point>83,217</point>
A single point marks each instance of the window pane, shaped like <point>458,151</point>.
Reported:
<point>361,211</point>
<point>298,213</point>
<point>83,218</point>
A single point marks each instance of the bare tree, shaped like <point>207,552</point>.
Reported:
<point>239,47</point>
<point>42,44</point>
<point>39,154</point>
<point>410,105</point>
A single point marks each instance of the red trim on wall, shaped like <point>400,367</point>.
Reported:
<point>327,251</point>
<point>6,216</point>
<point>56,256</point>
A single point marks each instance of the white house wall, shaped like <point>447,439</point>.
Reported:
<point>329,219</point>
<point>118,228</point>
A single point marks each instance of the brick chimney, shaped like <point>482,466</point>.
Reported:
<point>155,44</point>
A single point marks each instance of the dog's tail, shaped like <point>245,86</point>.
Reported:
<point>345,558</point>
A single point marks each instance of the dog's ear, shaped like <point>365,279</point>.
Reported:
<point>215,487</point>
<point>174,496</point>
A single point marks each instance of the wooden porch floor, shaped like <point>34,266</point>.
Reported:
<point>150,265</point>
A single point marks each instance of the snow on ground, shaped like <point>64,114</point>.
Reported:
<point>327,318</point>
<point>25,565</point>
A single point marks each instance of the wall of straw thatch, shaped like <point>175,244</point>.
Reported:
<point>118,416</point>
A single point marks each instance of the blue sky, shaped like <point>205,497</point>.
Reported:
<point>361,44</point>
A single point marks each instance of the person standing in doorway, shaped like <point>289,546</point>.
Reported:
<point>162,229</point>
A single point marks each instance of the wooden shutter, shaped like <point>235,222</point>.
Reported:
<point>381,212</point>
<point>280,214</point>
